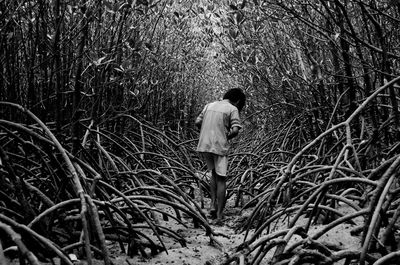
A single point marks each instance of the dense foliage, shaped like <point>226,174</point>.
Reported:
<point>97,100</point>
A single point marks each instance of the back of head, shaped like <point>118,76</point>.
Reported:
<point>235,95</point>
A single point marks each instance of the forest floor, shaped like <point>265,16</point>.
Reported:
<point>199,251</point>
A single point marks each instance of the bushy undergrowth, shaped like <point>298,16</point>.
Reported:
<point>54,202</point>
<point>289,179</point>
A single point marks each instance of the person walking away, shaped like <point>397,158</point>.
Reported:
<point>219,122</point>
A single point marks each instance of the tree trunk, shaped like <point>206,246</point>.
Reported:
<point>76,101</point>
<point>348,69</point>
<point>57,67</point>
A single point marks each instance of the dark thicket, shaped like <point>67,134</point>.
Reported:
<point>97,100</point>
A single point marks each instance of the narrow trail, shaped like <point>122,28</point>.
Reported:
<point>198,249</point>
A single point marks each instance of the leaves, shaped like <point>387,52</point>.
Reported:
<point>149,46</point>
<point>233,7</point>
<point>98,61</point>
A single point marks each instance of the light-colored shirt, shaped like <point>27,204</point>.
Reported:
<point>217,118</point>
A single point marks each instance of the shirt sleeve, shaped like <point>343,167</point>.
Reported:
<point>235,119</point>
<point>199,118</point>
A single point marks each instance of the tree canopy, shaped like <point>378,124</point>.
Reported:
<point>98,99</point>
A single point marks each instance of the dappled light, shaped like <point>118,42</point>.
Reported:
<point>98,161</point>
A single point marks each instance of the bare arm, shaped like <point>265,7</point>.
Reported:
<point>198,123</point>
<point>199,119</point>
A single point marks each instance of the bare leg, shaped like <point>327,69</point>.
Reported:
<point>221,196</point>
<point>213,191</point>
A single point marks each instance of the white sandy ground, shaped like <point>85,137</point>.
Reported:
<point>199,251</point>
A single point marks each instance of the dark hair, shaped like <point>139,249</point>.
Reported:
<point>234,95</point>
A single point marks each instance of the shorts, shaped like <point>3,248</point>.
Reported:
<point>216,162</point>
